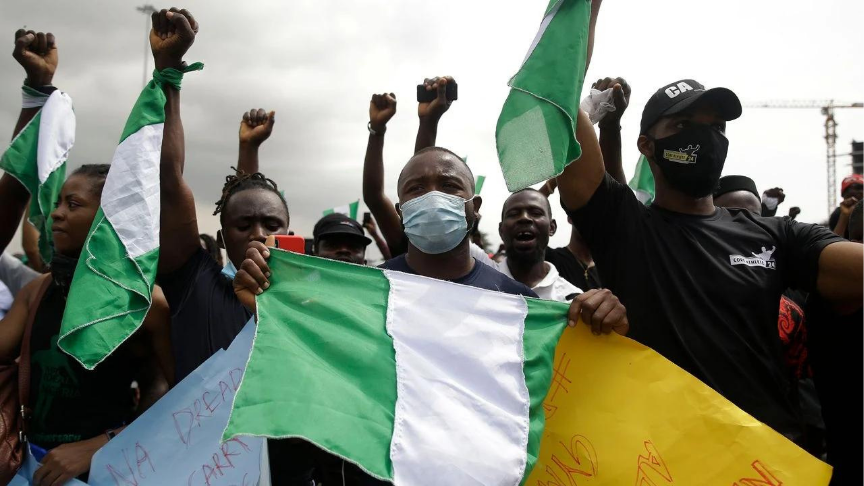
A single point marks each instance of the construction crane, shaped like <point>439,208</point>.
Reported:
<point>827,107</point>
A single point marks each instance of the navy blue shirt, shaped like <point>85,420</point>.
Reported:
<point>482,276</point>
<point>206,315</point>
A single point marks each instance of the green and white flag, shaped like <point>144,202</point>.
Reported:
<point>37,157</point>
<point>112,288</point>
<point>642,182</point>
<point>536,132</point>
<point>349,210</point>
<point>478,185</point>
<point>415,380</point>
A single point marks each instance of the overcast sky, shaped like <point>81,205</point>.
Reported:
<point>317,63</point>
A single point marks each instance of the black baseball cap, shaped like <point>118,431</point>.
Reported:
<point>681,95</point>
<point>338,224</point>
<point>732,183</point>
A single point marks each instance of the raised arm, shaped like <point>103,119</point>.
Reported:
<point>382,245</point>
<point>172,34</point>
<point>255,127</point>
<point>846,207</point>
<point>610,126</point>
<point>36,52</point>
<point>841,279</point>
<point>430,113</point>
<point>582,177</point>
<point>382,107</point>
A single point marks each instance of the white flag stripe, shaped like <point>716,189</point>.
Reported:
<point>545,23</point>
<point>130,198</point>
<point>462,407</point>
<point>56,134</point>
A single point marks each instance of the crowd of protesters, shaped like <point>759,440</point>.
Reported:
<point>765,310</point>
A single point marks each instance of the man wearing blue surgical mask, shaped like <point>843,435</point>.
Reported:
<point>438,208</point>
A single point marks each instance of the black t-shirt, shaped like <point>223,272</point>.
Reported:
<point>572,269</point>
<point>703,291</point>
<point>482,276</point>
<point>205,313</point>
<point>70,403</point>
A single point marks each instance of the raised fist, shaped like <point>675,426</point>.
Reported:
<point>172,35</point>
<point>36,52</point>
<point>256,126</point>
<point>382,107</point>
<point>620,96</point>
<point>437,107</point>
<point>776,192</point>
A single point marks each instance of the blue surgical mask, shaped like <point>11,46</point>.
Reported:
<point>435,222</point>
<point>229,270</point>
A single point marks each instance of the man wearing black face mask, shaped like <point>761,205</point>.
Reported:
<point>701,283</point>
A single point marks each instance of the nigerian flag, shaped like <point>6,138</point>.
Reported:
<point>478,184</point>
<point>37,157</point>
<point>642,182</point>
<point>415,380</point>
<point>112,288</point>
<point>536,131</point>
<point>349,210</point>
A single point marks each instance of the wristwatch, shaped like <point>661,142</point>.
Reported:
<point>111,433</point>
<point>375,132</point>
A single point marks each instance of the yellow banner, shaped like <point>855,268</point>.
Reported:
<point>618,413</point>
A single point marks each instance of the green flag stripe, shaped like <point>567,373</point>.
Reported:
<point>149,109</point>
<point>478,186</point>
<point>544,324</point>
<point>341,361</point>
<point>19,160</point>
<point>41,217</point>
<point>121,305</point>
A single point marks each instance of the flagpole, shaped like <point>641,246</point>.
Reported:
<point>147,10</point>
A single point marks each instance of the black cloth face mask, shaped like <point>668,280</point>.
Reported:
<point>692,159</point>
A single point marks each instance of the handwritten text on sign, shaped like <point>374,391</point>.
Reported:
<point>179,436</point>
<point>618,413</point>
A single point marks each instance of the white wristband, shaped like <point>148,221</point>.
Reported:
<point>30,98</point>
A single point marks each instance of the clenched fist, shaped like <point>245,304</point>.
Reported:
<point>172,35</point>
<point>382,107</point>
<point>436,108</point>
<point>36,52</point>
<point>256,126</point>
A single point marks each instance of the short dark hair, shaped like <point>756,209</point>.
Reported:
<point>241,181</point>
<point>97,172</point>
<point>528,189</point>
<point>437,149</point>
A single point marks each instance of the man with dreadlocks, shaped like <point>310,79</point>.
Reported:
<point>205,314</point>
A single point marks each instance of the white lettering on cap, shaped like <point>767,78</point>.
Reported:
<point>673,91</point>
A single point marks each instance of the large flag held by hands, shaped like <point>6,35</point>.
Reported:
<point>416,380</point>
<point>37,157</point>
<point>422,382</point>
<point>111,291</point>
<point>536,132</point>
